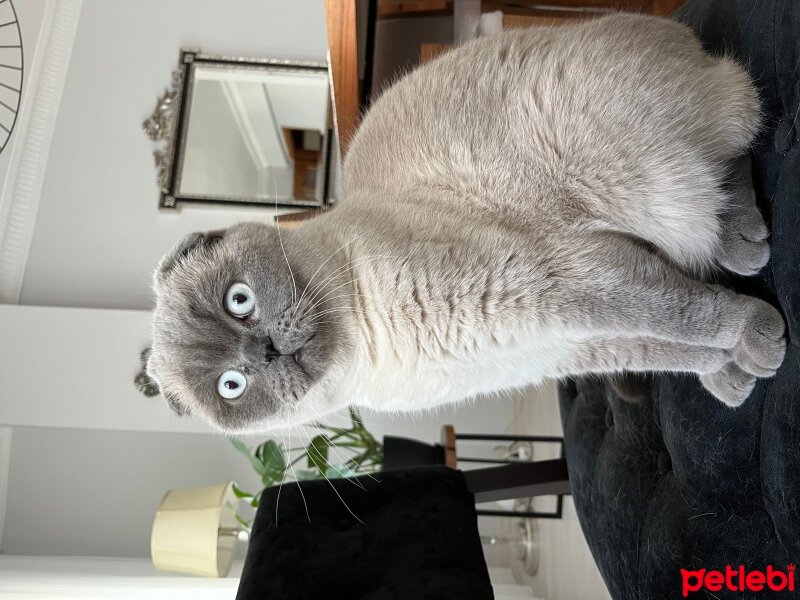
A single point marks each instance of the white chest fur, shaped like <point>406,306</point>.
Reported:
<point>406,381</point>
<point>449,331</point>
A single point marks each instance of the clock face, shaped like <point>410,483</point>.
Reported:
<point>10,70</point>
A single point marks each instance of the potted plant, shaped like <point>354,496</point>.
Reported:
<point>276,464</point>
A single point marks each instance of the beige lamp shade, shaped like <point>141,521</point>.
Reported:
<point>192,531</point>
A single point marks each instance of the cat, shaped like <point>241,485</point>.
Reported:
<point>542,203</point>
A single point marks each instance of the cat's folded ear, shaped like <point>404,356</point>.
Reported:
<point>212,237</point>
<point>184,248</point>
<point>170,398</point>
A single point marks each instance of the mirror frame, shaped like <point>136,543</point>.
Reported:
<point>167,126</point>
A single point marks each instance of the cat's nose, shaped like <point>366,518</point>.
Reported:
<point>272,352</point>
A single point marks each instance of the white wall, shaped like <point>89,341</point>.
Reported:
<point>74,367</point>
<point>98,234</point>
<point>94,493</point>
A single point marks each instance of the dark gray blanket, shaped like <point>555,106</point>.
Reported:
<point>679,480</point>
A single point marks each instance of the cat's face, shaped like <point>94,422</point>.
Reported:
<point>237,337</point>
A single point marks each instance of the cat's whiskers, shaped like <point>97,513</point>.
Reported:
<point>302,295</point>
<point>329,292</point>
<point>319,321</point>
<point>280,489</point>
<point>323,419</point>
<point>322,321</point>
<point>349,266</point>
<point>319,456</point>
<point>331,276</point>
<point>310,316</point>
<point>327,311</point>
<point>335,491</point>
<point>299,487</point>
<point>346,283</point>
<point>280,239</point>
<point>342,296</point>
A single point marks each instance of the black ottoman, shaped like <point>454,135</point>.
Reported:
<point>398,535</point>
<point>679,481</point>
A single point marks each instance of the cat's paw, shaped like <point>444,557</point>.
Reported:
<point>743,246</point>
<point>758,353</point>
<point>743,243</point>
<point>761,349</point>
<point>730,385</point>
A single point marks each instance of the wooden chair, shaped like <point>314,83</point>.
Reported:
<point>508,479</point>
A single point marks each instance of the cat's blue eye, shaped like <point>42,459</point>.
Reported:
<point>239,300</point>
<point>231,384</point>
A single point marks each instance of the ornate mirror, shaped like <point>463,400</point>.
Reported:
<point>243,131</point>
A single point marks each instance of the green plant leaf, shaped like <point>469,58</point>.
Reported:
<point>305,474</point>
<point>355,417</point>
<point>318,453</point>
<point>359,444</point>
<point>369,460</point>
<point>245,449</point>
<point>270,462</point>
<point>251,499</point>
<point>274,463</point>
<point>335,431</point>
<point>338,471</point>
<point>239,493</point>
<point>242,521</point>
<point>272,457</point>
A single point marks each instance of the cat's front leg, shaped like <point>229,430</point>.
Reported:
<point>631,292</point>
<point>719,372</point>
<point>614,355</point>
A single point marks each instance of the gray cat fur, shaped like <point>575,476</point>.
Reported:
<point>541,203</point>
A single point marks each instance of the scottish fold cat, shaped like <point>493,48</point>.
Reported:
<point>537,204</point>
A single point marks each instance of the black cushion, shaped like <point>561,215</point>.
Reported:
<point>679,480</point>
<point>412,534</point>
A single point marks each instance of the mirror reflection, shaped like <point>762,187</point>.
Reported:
<point>255,134</point>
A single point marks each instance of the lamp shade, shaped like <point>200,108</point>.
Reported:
<point>186,531</point>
